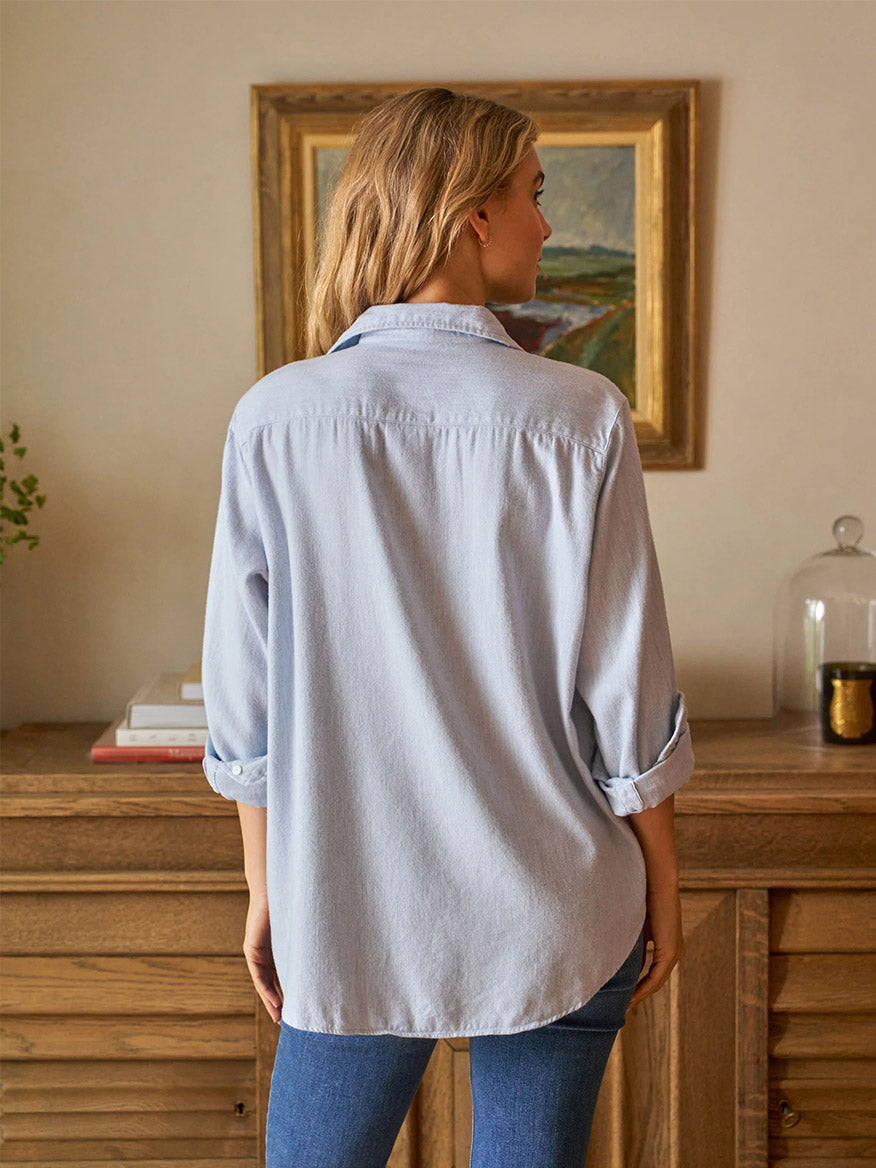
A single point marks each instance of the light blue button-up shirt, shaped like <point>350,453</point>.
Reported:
<point>436,649</point>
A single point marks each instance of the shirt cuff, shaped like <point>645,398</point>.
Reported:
<point>245,781</point>
<point>673,768</point>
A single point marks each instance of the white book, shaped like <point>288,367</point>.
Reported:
<point>191,686</point>
<point>158,705</point>
<point>160,736</point>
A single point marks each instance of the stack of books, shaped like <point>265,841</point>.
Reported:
<point>165,721</point>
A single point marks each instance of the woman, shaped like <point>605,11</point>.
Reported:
<point>437,672</point>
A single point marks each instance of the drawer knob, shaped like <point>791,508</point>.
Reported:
<point>789,1115</point>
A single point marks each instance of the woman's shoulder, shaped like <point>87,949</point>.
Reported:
<point>585,401</point>
<point>270,397</point>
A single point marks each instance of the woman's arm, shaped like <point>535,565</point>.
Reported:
<point>234,657</point>
<point>254,829</point>
<point>655,831</point>
<point>626,678</point>
<point>257,938</point>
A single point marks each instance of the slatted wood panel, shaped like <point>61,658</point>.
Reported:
<point>128,986</point>
<point>118,844</point>
<point>823,1029</point>
<point>128,1030</point>
<point>124,923</point>
<point>170,1109</point>
<point>749,842</point>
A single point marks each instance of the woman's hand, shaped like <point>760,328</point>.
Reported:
<point>663,927</point>
<point>259,955</point>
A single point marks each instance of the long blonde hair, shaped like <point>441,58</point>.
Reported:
<point>420,163</point>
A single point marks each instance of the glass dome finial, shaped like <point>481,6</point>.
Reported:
<point>848,531</point>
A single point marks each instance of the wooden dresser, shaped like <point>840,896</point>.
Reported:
<point>131,1033</point>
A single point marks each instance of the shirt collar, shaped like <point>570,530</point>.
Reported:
<point>475,319</point>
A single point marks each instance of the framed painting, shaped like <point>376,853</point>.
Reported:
<point>616,287</point>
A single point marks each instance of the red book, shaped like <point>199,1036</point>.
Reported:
<point>105,750</point>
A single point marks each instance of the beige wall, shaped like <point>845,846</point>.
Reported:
<point>128,314</point>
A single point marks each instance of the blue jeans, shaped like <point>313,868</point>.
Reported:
<point>339,1100</point>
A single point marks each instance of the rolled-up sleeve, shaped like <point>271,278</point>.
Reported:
<point>625,674</point>
<point>234,660</point>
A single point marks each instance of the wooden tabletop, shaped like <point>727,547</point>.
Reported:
<point>745,753</point>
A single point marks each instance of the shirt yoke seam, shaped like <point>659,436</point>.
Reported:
<point>427,424</point>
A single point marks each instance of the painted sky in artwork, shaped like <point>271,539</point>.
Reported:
<point>589,196</point>
<point>329,162</point>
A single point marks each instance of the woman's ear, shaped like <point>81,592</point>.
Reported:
<point>479,221</point>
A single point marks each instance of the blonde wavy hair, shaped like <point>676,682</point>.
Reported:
<point>420,163</point>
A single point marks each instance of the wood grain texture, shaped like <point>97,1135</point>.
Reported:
<point>826,983</point>
<point>438,1125</point>
<point>119,1036</point>
<point>124,923</point>
<point>139,1153</point>
<point>826,1036</point>
<point>823,1154</point>
<point>702,1101</point>
<point>266,1035</point>
<point>752,1027</point>
<point>819,921</point>
<point>124,985</point>
<point>850,1072</point>
<point>138,881</point>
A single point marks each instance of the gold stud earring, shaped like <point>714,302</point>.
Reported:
<point>481,242</point>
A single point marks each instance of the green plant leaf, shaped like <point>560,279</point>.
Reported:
<point>24,498</point>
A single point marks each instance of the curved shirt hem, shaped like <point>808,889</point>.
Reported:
<point>480,1032</point>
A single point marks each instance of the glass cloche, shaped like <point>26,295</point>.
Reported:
<point>825,628</point>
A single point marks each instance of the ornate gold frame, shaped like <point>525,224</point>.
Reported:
<point>658,117</point>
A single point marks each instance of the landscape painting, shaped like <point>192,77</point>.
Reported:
<point>584,310</point>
